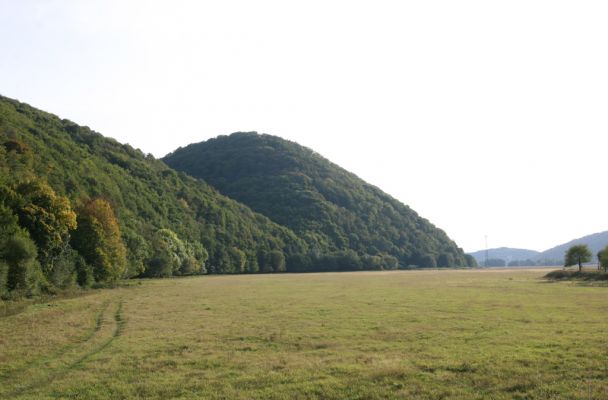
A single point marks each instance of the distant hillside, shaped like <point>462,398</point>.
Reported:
<point>596,242</point>
<point>329,207</point>
<point>505,253</point>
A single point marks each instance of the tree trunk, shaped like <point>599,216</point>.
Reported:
<point>580,266</point>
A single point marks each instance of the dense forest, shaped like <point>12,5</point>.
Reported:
<point>333,210</point>
<point>77,208</point>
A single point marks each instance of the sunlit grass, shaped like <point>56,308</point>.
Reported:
<point>427,335</point>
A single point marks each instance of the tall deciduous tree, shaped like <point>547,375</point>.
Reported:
<point>172,256</point>
<point>24,276</point>
<point>48,218</point>
<point>98,240</point>
<point>603,258</point>
<point>276,259</point>
<point>577,254</point>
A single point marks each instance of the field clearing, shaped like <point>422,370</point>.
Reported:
<point>457,334</point>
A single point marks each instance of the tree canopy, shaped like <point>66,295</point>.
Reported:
<point>78,208</point>
<point>93,209</point>
<point>99,241</point>
<point>330,208</point>
<point>577,255</point>
<point>603,258</point>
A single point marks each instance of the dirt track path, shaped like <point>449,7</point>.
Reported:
<point>39,373</point>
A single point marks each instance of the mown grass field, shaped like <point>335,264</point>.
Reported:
<point>503,334</point>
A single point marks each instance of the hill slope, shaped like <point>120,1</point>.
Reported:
<point>505,253</point>
<point>596,242</point>
<point>331,208</point>
<point>146,195</point>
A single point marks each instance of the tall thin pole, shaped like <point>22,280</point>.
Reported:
<point>486,251</point>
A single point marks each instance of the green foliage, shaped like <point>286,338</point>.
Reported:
<point>98,240</point>
<point>389,262</point>
<point>238,259</point>
<point>428,261</point>
<point>47,217</point>
<point>445,260</point>
<point>330,208</point>
<point>194,260</point>
<point>603,258</point>
<point>138,252</point>
<point>577,275</point>
<point>346,260</point>
<point>4,292</point>
<point>47,165</point>
<point>276,260</point>
<point>17,257</point>
<point>64,273</point>
<point>252,266</point>
<point>577,254</point>
<point>169,252</point>
<point>85,276</point>
<point>173,256</point>
<point>23,274</point>
<point>8,225</point>
<point>471,261</point>
<point>146,219</point>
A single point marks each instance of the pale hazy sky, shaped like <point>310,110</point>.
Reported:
<point>487,117</point>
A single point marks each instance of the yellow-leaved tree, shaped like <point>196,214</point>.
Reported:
<point>98,240</point>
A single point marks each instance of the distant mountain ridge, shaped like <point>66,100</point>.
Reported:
<point>330,208</point>
<point>595,241</point>
<point>554,255</point>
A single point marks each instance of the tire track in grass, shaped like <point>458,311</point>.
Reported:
<point>41,361</point>
<point>110,327</point>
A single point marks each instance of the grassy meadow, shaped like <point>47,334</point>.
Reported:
<point>500,334</point>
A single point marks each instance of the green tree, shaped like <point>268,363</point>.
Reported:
<point>389,262</point>
<point>603,258</point>
<point>23,275</point>
<point>169,254</point>
<point>428,261</point>
<point>8,228</point>
<point>195,259</point>
<point>374,263</point>
<point>173,256</point>
<point>98,240</point>
<point>47,217</point>
<point>138,252</point>
<point>445,260</point>
<point>276,261</point>
<point>471,261</point>
<point>239,260</point>
<point>252,265</point>
<point>3,279</point>
<point>577,254</point>
<point>8,225</point>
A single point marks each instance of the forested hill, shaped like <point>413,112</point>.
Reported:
<point>75,205</point>
<point>329,207</point>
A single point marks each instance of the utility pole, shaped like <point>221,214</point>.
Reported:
<point>486,264</point>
